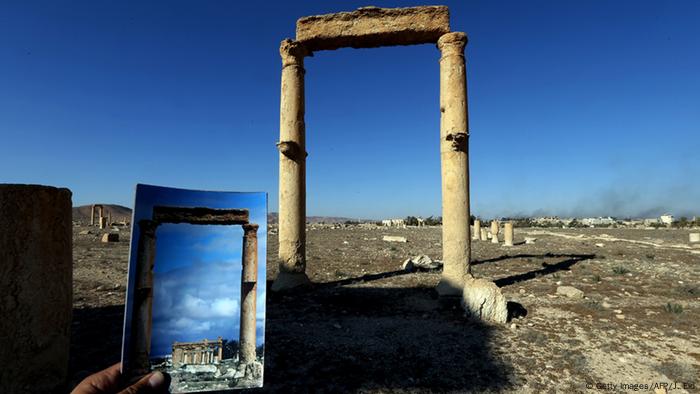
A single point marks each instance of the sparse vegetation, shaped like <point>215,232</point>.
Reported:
<point>682,222</point>
<point>576,224</point>
<point>534,337</point>
<point>596,278</point>
<point>433,221</point>
<point>620,270</point>
<point>676,309</point>
<point>678,371</point>
<point>411,221</point>
<point>690,290</point>
<point>593,304</point>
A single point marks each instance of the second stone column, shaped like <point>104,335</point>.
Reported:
<point>292,176</point>
<point>454,160</point>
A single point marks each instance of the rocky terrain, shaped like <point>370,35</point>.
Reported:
<point>221,376</point>
<point>367,325</point>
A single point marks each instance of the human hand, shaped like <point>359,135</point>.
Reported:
<point>110,381</point>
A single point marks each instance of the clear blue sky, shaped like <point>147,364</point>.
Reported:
<point>197,270</point>
<point>586,107</point>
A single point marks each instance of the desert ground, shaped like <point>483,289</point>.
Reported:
<point>367,325</point>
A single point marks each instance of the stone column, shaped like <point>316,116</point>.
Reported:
<point>249,286</point>
<point>36,289</point>
<point>138,363</point>
<point>484,234</point>
<point>292,181</point>
<point>92,215</point>
<point>495,227</point>
<point>221,350</point>
<point>477,229</point>
<point>508,234</point>
<point>454,160</point>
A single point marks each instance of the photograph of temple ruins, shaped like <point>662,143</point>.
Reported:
<point>195,309</point>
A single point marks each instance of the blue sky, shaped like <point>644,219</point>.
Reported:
<point>576,108</point>
<point>197,271</point>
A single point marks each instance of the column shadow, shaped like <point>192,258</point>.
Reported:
<point>96,341</point>
<point>546,269</point>
<point>350,339</point>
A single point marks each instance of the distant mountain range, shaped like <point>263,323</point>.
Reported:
<point>119,213</point>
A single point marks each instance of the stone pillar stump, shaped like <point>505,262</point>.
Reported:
<point>36,289</point>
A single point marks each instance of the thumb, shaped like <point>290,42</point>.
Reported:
<point>155,382</point>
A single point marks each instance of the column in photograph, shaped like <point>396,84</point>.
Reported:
<point>249,286</point>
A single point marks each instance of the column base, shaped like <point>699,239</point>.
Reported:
<point>290,280</point>
<point>449,288</point>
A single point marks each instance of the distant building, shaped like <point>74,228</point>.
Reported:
<point>599,221</point>
<point>649,222</point>
<point>666,219</point>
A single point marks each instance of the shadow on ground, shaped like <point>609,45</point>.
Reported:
<point>342,339</point>
<point>334,337</point>
<point>96,339</point>
<point>346,339</point>
<point>547,268</point>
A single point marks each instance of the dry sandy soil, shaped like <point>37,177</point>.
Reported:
<point>368,326</point>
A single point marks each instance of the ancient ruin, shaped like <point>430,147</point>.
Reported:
<point>141,310</point>
<point>203,352</point>
<point>99,217</point>
<point>508,234</point>
<point>36,289</point>
<point>495,228</point>
<point>394,223</point>
<point>484,234</point>
<point>366,28</point>
<point>476,232</point>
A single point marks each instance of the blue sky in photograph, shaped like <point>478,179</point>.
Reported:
<point>576,108</point>
<point>197,269</point>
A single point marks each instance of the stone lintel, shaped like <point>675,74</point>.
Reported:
<point>199,215</point>
<point>370,27</point>
<point>205,342</point>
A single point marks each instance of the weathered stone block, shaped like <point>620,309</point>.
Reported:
<point>370,27</point>
<point>421,262</point>
<point>110,237</point>
<point>394,238</point>
<point>36,273</point>
<point>570,291</point>
<point>483,300</point>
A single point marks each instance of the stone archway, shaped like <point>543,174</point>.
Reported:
<point>366,28</point>
<point>141,311</point>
